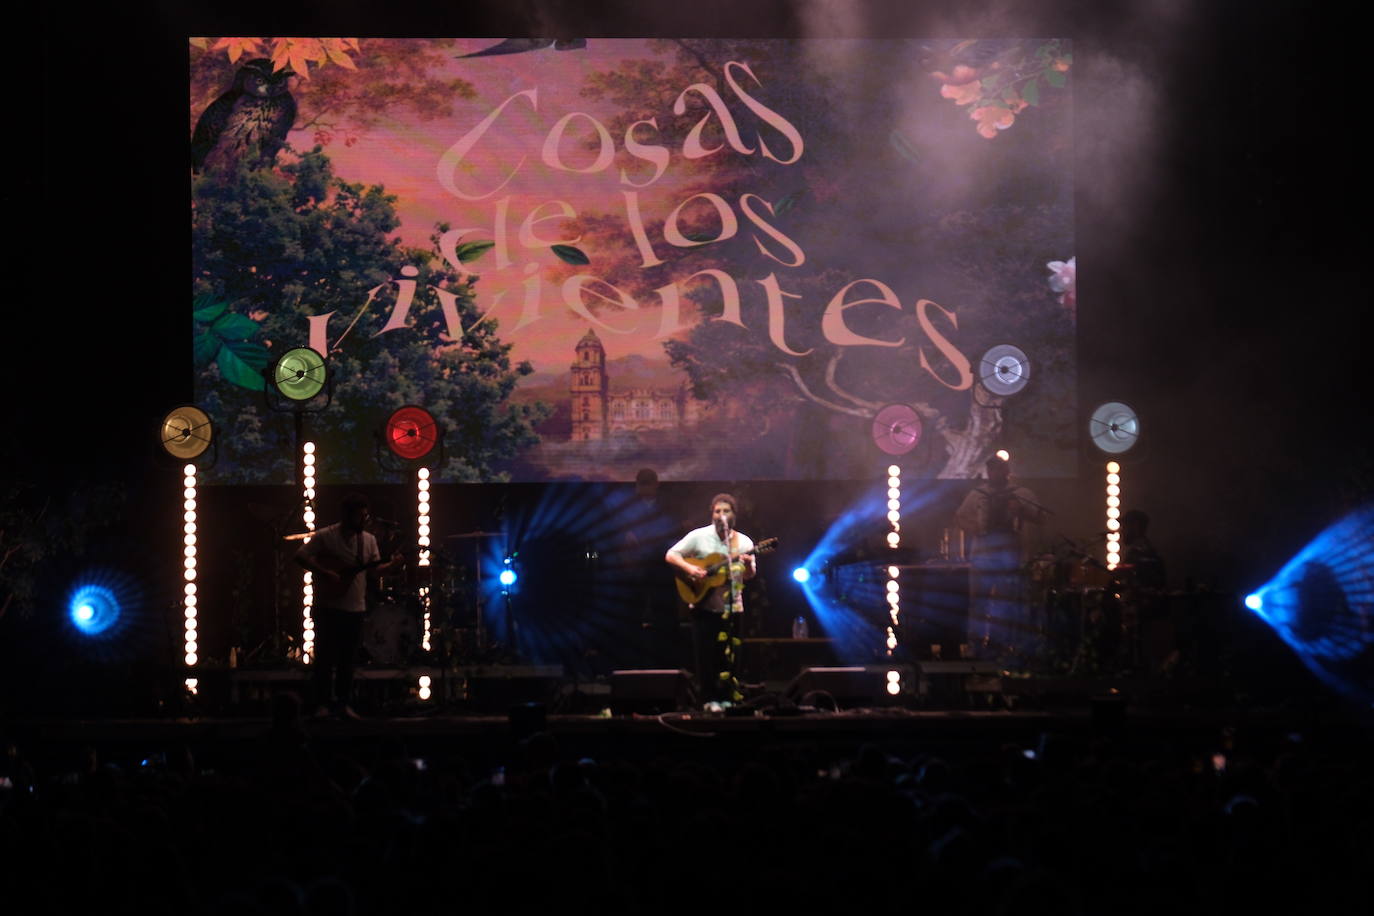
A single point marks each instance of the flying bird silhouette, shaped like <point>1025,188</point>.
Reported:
<point>520,45</point>
<point>249,123</point>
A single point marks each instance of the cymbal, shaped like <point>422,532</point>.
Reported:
<point>473,534</point>
<point>298,536</point>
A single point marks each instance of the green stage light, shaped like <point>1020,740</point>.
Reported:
<point>299,374</point>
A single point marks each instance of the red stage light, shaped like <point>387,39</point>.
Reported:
<point>411,432</point>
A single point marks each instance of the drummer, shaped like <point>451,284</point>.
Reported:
<point>1143,593</point>
<point>1145,565</point>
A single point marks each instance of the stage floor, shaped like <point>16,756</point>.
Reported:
<point>487,711</point>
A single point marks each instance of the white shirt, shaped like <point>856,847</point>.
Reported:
<point>331,549</point>
<point>702,542</point>
<point>988,511</point>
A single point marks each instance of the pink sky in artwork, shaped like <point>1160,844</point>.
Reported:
<point>403,154</point>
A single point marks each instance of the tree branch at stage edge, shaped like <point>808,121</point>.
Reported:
<point>966,448</point>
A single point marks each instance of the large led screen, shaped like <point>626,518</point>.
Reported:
<point>722,259</point>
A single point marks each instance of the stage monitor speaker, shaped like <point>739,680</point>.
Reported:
<point>960,683</point>
<point>497,690</point>
<point>649,691</point>
<point>779,660</point>
<point>851,687</point>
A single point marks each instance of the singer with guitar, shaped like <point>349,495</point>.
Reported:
<point>341,558</point>
<point>715,615</point>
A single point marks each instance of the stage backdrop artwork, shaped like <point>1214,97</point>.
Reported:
<point>718,258</point>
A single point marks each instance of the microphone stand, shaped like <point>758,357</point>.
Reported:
<point>1030,502</point>
<point>730,621</point>
<point>277,638</point>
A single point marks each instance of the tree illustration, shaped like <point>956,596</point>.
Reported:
<point>276,248</point>
<point>984,256</point>
<point>346,85</point>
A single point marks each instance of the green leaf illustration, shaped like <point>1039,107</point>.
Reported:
<point>232,326</point>
<point>903,146</point>
<point>1032,92</point>
<point>571,255</point>
<point>255,355</point>
<point>205,308</point>
<point>1055,78</point>
<point>471,251</point>
<point>790,200</point>
<point>237,372</point>
<point>206,346</point>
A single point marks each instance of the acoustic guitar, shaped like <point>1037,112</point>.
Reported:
<point>717,566</point>
<point>327,590</point>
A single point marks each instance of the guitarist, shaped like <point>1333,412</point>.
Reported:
<point>341,558</point>
<point>717,612</point>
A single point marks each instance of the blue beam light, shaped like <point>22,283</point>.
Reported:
<point>93,609</point>
<point>583,540</point>
<point>847,597</point>
<point>1321,603</point>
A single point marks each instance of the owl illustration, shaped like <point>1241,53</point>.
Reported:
<point>248,123</point>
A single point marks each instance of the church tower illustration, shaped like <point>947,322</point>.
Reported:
<point>589,384</point>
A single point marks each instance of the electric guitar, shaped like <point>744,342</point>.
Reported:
<point>717,566</point>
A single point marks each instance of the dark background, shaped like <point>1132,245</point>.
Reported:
<point>1221,189</point>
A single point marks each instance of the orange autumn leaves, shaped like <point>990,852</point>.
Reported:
<point>996,91</point>
<point>296,53</point>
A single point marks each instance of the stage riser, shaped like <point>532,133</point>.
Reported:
<point>487,690</point>
<point>494,690</point>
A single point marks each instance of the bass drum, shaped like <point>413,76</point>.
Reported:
<point>390,634</point>
<point>1089,573</point>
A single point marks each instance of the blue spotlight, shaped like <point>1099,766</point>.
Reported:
<point>845,598</point>
<point>801,574</point>
<point>1320,601</point>
<point>93,609</point>
<point>507,577</point>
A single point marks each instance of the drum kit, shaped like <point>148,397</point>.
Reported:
<point>434,613</point>
<point>1087,612</point>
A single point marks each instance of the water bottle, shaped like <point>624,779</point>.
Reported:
<point>799,628</point>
